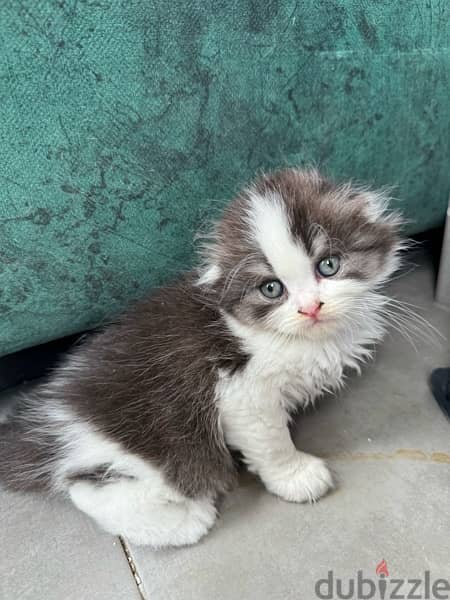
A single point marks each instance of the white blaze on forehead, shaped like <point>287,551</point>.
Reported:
<point>270,228</point>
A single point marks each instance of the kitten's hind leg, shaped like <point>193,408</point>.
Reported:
<point>131,508</point>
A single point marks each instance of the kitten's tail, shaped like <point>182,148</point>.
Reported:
<point>27,450</point>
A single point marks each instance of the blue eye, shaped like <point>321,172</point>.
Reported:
<point>272,289</point>
<point>329,266</point>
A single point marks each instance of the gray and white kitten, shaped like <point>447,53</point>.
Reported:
<point>139,426</point>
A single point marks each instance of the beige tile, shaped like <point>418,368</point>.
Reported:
<point>50,551</point>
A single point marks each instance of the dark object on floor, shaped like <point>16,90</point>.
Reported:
<point>440,386</point>
<point>34,362</point>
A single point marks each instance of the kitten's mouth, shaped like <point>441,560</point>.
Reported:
<point>317,328</point>
<point>314,320</point>
<point>317,322</point>
<point>310,322</point>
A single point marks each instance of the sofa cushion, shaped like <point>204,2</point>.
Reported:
<point>126,125</point>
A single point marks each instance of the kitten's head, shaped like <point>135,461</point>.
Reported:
<point>298,255</point>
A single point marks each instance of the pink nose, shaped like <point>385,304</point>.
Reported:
<point>311,310</point>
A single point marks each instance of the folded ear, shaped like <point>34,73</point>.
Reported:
<point>377,209</point>
<point>209,274</point>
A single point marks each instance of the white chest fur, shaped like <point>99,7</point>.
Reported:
<point>282,374</point>
<point>292,372</point>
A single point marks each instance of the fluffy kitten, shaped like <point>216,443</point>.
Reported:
<point>138,425</point>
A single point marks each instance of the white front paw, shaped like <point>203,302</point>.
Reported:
<point>305,479</point>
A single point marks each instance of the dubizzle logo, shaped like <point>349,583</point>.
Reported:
<point>382,568</point>
<point>382,587</point>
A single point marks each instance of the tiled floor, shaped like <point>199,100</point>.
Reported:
<point>389,446</point>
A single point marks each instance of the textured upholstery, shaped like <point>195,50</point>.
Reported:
<point>125,124</point>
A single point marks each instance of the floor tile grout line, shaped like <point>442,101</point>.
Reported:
<point>129,558</point>
<point>411,454</point>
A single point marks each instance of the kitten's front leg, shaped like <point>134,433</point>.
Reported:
<point>300,478</point>
<point>261,433</point>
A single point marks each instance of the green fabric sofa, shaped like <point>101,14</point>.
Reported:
<point>125,125</point>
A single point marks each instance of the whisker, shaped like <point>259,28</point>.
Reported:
<point>408,311</point>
